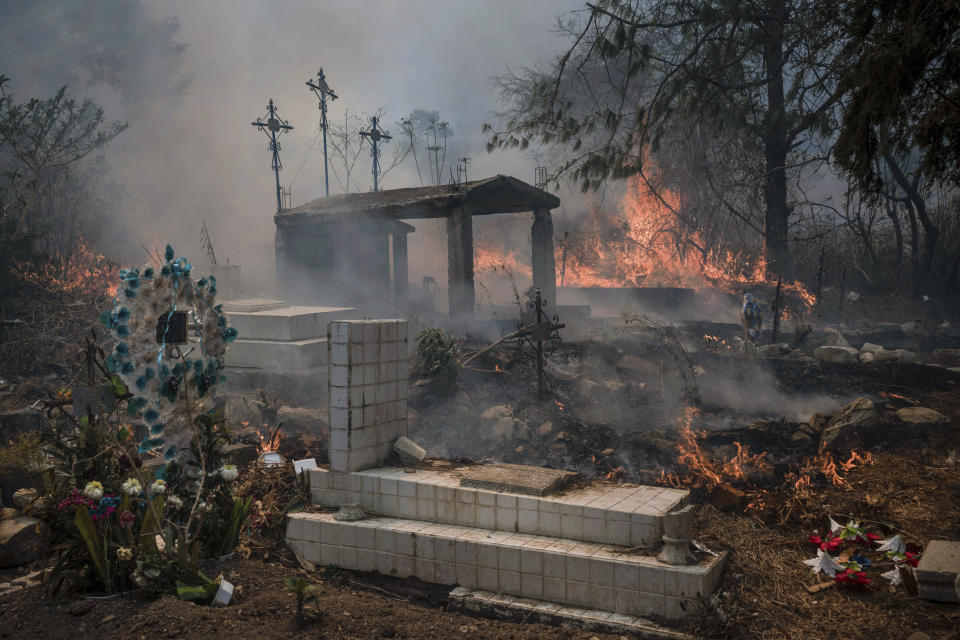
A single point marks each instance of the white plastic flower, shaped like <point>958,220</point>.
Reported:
<point>175,502</point>
<point>124,553</point>
<point>202,505</point>
<point>158,487</point>
<point>132,487</point>
<point>229,472</point>
<point>93,490</point>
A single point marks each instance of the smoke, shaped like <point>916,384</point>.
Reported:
<point>189,77</point>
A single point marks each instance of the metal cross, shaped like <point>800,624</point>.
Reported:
<point>538,332</point>
<point>324,92</point>
<point>375,135</point>
<point>274,127</point>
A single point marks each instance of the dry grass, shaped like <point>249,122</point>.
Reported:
<point>764,590</point>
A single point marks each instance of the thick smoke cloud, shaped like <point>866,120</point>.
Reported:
<point>189,77</point>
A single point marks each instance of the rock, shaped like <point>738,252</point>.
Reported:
<point>23,498</point>
<point>836,354</point>
<point>297,420</point>
<point>938,574</point>
<point>773,350</point>
<point>951,354</point>
<point>918,635</point>
<point>852,425</point>
<point>240,453</point>
<point>907,356</point>
<point>908,327</point>
<point>615,386</point>
<point>545,428</point>
<point>497,411</point>
<point>835,338</point>
<point>884,355</point>
<point>81,607</point>
<point>503,427</point>
<point>810,431</point>
<point>866,357</point>
<point>852,296</point>
<point>240,409</point>
<point>728,498</point>
<point>14,423</point>
<point>441,451</point>
<point>20,539</point>
<point>409,451</point>
<point>635,365</point>
<point>921,416</point>
<point>869,347</point>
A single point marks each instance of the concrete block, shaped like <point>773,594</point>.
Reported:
<point>486,517</point>
<point>487,556</point>
<point>466,552</point>
<point>938,573</point>
<point>329,554</point>
<point>409,451</point>
<point>386,563</point>
<point>509,559</point>
<point>347,557</point>
<point>510,582</point>
<point>528,521</point>
<point>446,572</point>
<point>488,579</point>
<point>366,560</point>
<point>531,561</point>
<point>407,507</point>
<point>446,550</point>
<point>467,575</point>
<point>367,538</point>
<point>385,541</point>
<point>531,586</point>
<point>602,572</point>
<point>506,519</point>
<point>339,376</point>
<point>626,576</point>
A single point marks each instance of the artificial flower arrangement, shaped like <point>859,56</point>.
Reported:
<point>118,525</point>
<point>849,566</point>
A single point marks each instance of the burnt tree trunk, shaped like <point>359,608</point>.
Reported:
<point>776,144</point>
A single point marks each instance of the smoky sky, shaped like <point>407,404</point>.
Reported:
<point>190,76</point>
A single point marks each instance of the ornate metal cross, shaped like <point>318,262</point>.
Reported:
<point>274,127</point>
<point>324,93</point>
<point>375,135</point>
<point>539,332</point>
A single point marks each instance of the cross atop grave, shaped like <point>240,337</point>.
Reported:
<point>273,126</point>
<point>324,93</point>
<point>375,135</point>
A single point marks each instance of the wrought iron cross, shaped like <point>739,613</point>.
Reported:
<point>324,92</point>
<point>274,127</point>
<point>375,135</point>
<point>539,332</point>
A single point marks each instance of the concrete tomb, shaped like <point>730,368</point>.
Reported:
<point>584,552</point>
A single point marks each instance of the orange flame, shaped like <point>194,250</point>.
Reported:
<point>82,271</point>
<point>646,245</point>
<point>267,441</point>
<point>702,471</point>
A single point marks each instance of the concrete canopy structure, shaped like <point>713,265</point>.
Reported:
<point>349,237</point>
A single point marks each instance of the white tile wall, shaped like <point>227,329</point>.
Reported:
<point>367,392</point>
<point>579,575</point>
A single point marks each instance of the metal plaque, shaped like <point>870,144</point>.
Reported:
<point>176,331</point>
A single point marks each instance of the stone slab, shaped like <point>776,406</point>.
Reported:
<point>287,322</point>
<point>274,354</point>
<point>486,603</point>
<point>517,478</point>
<point>293,387</point>
<point>938,573</point>
<point>582,575</point>
<point>253,305</point>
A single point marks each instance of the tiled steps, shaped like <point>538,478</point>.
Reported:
<point>626,515</point>
<point>581,574</point>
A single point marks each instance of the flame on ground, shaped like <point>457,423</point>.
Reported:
<point>83,271</point>
<point>701,470</point>
<point>267,441</point>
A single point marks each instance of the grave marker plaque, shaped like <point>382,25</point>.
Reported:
<point>172,328</point>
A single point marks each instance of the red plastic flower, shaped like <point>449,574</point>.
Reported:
<point>873,537</point>
<point>126,518</point>
<point>913,559</point>
<point>849,576</point>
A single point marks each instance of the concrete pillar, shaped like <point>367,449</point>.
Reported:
<point>283,259</point>
<point>400,274</point>
<point>460,261</point>
<point>544,267</point>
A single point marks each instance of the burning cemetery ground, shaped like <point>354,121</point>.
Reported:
<point>700,378</point>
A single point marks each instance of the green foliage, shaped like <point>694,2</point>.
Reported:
<point>304,590</point>
<point>437,354</point>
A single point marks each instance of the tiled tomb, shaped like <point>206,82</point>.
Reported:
<point>583,548</point>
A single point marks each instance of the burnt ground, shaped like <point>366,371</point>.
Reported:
<point>606,417</point>
<point>348,607</point>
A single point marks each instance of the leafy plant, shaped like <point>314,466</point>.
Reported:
<point>305,592</point>
<point>437,354</point>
